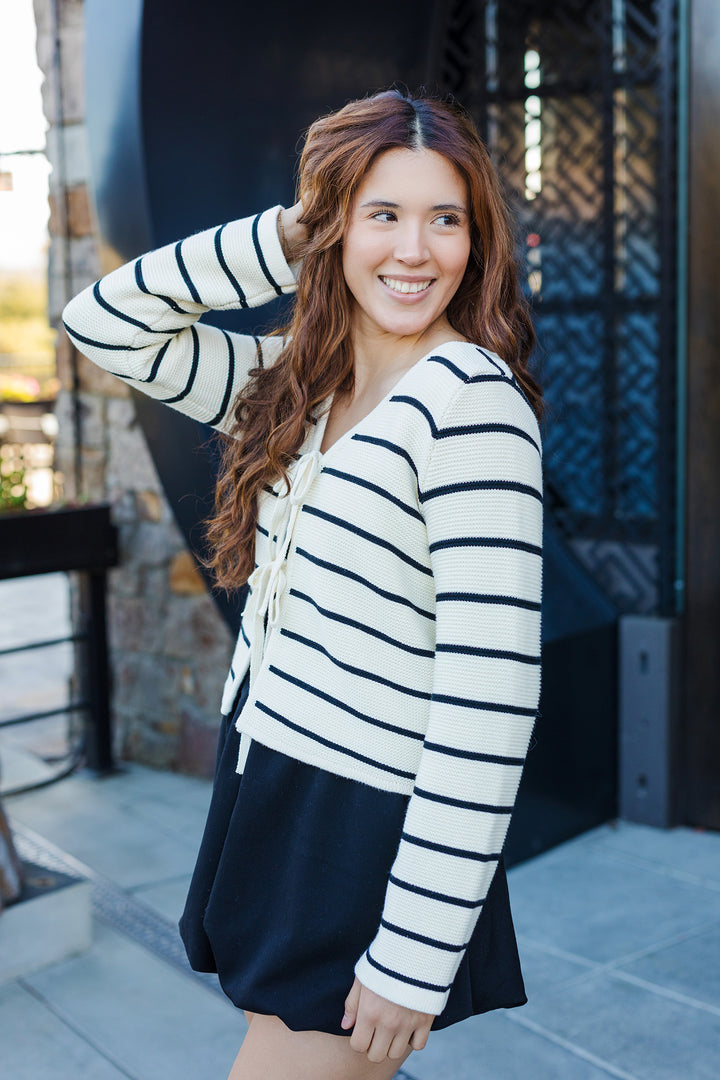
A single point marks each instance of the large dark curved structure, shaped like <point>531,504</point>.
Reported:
<point>194,116</point>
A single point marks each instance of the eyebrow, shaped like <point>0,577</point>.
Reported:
<point>396,206</point>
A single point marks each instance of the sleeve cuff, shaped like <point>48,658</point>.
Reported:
<point>269,238</point>
<point>423,997</point>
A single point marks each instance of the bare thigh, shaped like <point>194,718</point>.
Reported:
<point>271,1051</point>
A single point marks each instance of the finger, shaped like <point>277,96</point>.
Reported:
<point>361,1037</point>
<point>378,1049</point>
<point>398,1047</point>
<point>419,1038</point>
<point>351,1005</point>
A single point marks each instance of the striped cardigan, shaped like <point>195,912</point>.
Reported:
<point>392,630</point>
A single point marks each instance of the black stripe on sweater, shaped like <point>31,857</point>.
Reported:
<point>261,258</point>
<point>445,849</point>
<point>259,351</point>
<point>473,755</point>
<point>406,978</point>
<point>119,314</point>
<point>481,485</point>
<point>381,491</point>
<point>463,429</point>
<point>341,523</point>
<point>494,363</point>
<point>384,724</point>
<point>193,372</point>
<point>463,375</point>
<point>487,598</point>
<point>432,895</point>
<point>486,706</point>
<point>185,275</point>
<point>501,376</point>
<point>156,364</point>
<point>513,380</point>
<point>102,344</point>
<point>485,541</point>
<point>226,269</point>
<point>494,654</point>
<point>422,938</point>
<point>395,598</point>
<point>414,649</point>
<point>392,447</point>
<point>153,370</point>
<point>424,695</point>
<point>462,804</point>
<point>332,746</point>
<point>140,280</point>
<point>228,384</point>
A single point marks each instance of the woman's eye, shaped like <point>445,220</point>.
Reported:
<point>384,215</point>
<point>448,219</point>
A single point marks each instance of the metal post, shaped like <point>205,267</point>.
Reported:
<point>95,671</point>
<point>648,710</point>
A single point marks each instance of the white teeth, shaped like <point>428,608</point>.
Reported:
<point>406,286</point>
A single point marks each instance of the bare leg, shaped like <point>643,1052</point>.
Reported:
<point>248,1016</point>
<point>271,1051</point>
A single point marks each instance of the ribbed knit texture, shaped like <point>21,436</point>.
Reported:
<point>402,645</point>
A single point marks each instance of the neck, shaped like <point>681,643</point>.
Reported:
<point>378,355</point>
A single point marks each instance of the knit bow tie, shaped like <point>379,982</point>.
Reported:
<point>268,582</point>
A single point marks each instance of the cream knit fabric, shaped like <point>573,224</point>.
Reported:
<point>393,628</point>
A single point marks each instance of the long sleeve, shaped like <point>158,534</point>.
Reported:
<point>481,497</point>
<point>141,321</point>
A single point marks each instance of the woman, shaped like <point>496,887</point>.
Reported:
<point>381,492</point>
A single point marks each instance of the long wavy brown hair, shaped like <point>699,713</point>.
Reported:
<point>274,410</point>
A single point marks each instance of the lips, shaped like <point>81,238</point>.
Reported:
<point>406,287</point>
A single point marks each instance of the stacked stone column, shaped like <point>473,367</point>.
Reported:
<point>169,647</point>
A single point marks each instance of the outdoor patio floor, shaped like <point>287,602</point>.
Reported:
<point>619,934</point>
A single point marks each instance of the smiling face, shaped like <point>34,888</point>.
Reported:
<point>407,244</point>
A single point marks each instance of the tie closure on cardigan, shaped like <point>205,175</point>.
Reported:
<point>268,582</point>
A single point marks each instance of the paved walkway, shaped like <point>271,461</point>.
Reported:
<point>619,934</point>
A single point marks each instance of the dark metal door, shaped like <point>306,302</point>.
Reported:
<point>577,102</point>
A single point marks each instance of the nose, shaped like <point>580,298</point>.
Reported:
<point>410,245</point>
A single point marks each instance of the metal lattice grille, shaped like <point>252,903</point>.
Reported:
<point>576,100</point>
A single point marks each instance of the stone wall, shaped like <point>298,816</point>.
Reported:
<point>169,647</point>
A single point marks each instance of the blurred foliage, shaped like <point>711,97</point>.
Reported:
<point>26,339</point>
<point>13,489</point>
<point>17,387</point>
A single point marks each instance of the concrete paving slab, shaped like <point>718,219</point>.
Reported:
<point>649,1035</point>
<point>156,1022</point>
<point>545,968</point>
<point>18,768</point>
<point>692,852</point>
<point>688,967</point>
<point>46,927</point>
<point>38,1044</point>
<point>77,816</point>
<point>586,902</point>
<point>181,813</point>
<point>167,898</point>
<point>492,1047</point>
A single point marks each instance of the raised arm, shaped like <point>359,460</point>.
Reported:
<point>141,321</point>
<point>481,496</point>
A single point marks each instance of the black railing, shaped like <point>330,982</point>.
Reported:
<point>83,540</point>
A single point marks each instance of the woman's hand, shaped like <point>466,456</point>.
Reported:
<point>293,235</point>
<point>383,1029</point>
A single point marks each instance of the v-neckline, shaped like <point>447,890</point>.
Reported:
<point>318,432</point>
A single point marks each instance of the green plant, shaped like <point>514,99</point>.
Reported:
<point>13,489</point>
